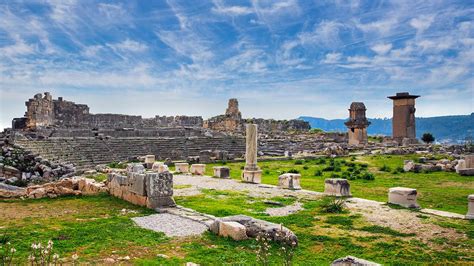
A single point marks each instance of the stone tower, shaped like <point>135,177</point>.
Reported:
<point>403,121</point>
<point>39,111</point>
<point>233,109</point>
<point>357,124</point>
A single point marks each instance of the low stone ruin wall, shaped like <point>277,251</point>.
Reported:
<point>141,187</point>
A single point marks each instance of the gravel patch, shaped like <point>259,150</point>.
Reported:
<point>171,225</point>
<point>284,211</point>
<point>253,190</point>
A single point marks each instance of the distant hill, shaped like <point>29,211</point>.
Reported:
<point>448,129</point>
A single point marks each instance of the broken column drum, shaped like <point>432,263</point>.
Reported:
<point>251,173</point>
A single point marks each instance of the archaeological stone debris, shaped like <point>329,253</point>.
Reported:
<point>289,181</point>
<point>403,196</point>
<point>338,187</point>
<point>470,211</point>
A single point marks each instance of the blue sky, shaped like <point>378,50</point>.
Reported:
<point>281,59</point>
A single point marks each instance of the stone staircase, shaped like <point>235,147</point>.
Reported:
<point>85,153</point>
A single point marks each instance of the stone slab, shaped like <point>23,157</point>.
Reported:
<point>289,181</point>
<point>233,230</point>
<point>198,169</point>
<point>338,187</point>
<point>403,196</point>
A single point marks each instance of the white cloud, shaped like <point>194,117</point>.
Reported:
<point>220,8</point>
<point>129,45</point>
<point>382,48</point>
<point>332,58</point>
<point>19,48</point>
<point>421,23</point>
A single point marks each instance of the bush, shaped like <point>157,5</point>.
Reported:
<point>332,205</point>
<point>328,168</point>
<point>117,165</point>
<point>293,171</point>
<point>267,172</point>
<point>364,165</point>
<point>368,176</point>
<point>305,167</point>
<point>298,162</point>
<point>334,175</point>
<point>398,170</point>
<point>385,168</point>
<point>318,173</point>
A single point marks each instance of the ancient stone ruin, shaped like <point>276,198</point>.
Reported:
<point>357,124</point>
<point>403,121</point>
<point>252,172</point>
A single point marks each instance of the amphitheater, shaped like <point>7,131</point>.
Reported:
<point>64,131</point>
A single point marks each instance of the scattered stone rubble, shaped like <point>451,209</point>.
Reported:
<point>21,167</point>
<point>240,227</point>
<point>66,186</point>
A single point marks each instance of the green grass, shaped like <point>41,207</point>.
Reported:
<point>96,228</point>
<point>325,237</point>
<point>445,191</point>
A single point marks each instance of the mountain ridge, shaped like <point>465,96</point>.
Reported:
<point>446,129</point>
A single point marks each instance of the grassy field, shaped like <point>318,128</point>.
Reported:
<point>446,191</point>
<point>96,228</point>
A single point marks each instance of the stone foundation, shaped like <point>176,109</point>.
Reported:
<point>144,188</point>
<point>198,169</point>
<point>337,187</point>
<point>182,168</point>
<point>250,176</point>
<point>403,196</point>
<point>289,181</point>
<point>221,172</point>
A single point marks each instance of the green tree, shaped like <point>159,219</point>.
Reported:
<point>428,138</point>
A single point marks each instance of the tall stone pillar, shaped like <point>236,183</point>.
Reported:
<point>403,121</point>
<point>251,173</point>
<point>357,124</point>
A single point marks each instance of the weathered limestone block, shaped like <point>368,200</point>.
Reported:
<point>233,230</point>
<point>137,184</point>
<point>135,168</point>
<point>254,227</point>
<point>149,160</point>
<point>159,167</point>
<point>289,181</point>
<point>198,169</point>
<point>159,188</point>
<point>469,161</point>
<point>134,198</point>
<point>221,171</point>
<point>89,186</point>
<point>408,165</point>
<point>182,168</point>
<point>8,191</point>
<point>470,211</point>
<point>254,177</point>
<point>466,167</point>
<point>403,196</point>
<point>353,261</point>
<point>338,187</point>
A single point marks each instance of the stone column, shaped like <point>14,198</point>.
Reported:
<point>251,173</point>
<point>470,211</point>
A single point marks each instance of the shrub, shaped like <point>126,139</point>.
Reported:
<point>337,169</point>
<point>318,173</point>
<point>385,168</point>
<point>368,176</point>
<point>398,170</point>
<point>305,167</point>
<point>363,165</point>
<point>263,248</point>
<point>328,168</point>
<point>298,162</point>
<point>332,205</point>
<point>293,171</point>
<point>267,172</point>
<point>117,165</point>
<point>334,175</point>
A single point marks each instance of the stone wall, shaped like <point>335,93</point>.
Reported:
<point>232,121</point>
<point>44,112</point>
<point>141,187</point>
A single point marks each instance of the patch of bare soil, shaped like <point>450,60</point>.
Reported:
<point>402,220</point>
